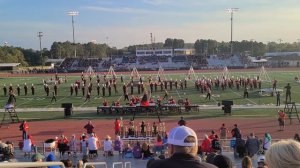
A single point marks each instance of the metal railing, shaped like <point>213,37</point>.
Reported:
<point>30,164</point>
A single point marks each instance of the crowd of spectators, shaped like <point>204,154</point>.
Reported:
<point>175,148</point>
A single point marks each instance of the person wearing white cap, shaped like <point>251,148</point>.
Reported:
<point>261,162</point>
<point>183,147</point>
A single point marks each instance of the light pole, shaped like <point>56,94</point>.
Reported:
<point>231,11</point>
<point>40,35</point>
<point>280,40</point>
<point>299,44</point>
<point>251,47</point>
<point>73,13</point>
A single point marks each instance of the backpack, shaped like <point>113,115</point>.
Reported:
<point>215,144</point>
<point>223,132</point>
<point>137,152</point>
<point>117,145</point>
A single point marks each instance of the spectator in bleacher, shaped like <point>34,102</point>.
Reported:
<point>107,146</point>
<point>93,145</point>
<point>222,161</point>
<point>37,157</point>
<point>63,145</point>
<point>267,141</point>
<point>51,158</point>
<point>68,163</point>
<point>118,144</point>
<point>206,145</point>
<point>146,153</point>
<point>261,162</point>
<point>183,146</point>
<point>73,146</point>
<point>83,145</point>
<point>252,145</point>
<point>158,145</point>
<point>246,162</point>
<point>128,152</point>
<point>284,154</point>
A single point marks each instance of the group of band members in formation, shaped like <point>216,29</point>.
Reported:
<point>142,129</point>
<point>204,85</point>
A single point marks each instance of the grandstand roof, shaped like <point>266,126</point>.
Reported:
<point>55,60</point>
<point>9,64</point>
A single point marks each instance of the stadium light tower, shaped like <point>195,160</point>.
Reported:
<point>231,11</point>
<point>40,35</point>
<point>73,13</point>
<point>251,47</point>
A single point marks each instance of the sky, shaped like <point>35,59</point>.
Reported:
<point>121,23</point>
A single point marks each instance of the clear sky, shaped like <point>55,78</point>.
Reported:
<point>129,22</point>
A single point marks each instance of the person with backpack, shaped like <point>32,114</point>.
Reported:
<point>137,151</point>
<point>215,144</point>
<point>235,132</point>
<point>223,132</point>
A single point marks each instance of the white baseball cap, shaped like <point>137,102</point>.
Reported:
<point>261,159</point>
<point>178,134</point>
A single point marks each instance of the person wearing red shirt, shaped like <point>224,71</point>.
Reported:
<point>89,127</point>
<point>63,145</point>
<point>172,101</point>
<point>206,145</point>
<point>145,101</point>
<point>212,135</point>
<point>105,103</point>
<point>24,128</point>
<point>281,119</point>
<point>117,126</point>
<point>187,104</point>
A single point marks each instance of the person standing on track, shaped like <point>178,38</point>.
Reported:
<point>281,119</point>
<point>89,127</point>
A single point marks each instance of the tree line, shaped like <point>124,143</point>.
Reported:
<point>203,47</point>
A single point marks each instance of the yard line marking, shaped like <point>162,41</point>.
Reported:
<point>246,98</point>
<point>55,102</point>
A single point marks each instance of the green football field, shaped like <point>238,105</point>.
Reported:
<point>40,100</point>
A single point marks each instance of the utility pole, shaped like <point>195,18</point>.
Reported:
<point>231,11</point>
<point>40,35</point>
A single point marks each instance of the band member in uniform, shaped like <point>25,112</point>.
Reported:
<point>126,97</point>
<point>124,88</point>
<point>71,89</point>
<point>47,89</point>
<point>53,96</point>
<point>76,89</point>
<point>25,89</point>
<point>55,89</point>
<point>83,89</point>
<point>109,90</point>
<point>155,86</point>
<point>4,90</point>
<point>131,88</point>
<point>208,94</point>
<point>10,89</point>
<point>32,89</point>
<point>98,89</point>
<point>103,90</point>
<point>18,90</point>
<point>88,97</point>
<point>166,96</point>
<point>246,94</point>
